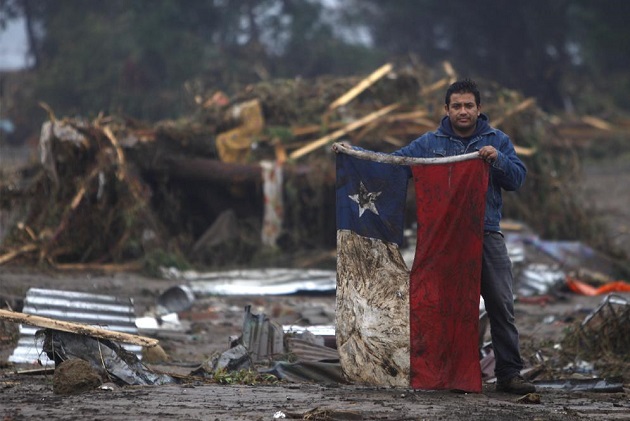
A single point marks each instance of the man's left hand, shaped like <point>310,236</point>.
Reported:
<point>488,154</point>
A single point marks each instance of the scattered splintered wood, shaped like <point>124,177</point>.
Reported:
<point>78,328</point>
<point>115,191</point>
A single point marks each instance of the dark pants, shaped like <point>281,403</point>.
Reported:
<point>496,290</point>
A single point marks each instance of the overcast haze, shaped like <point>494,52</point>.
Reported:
<point>13,46</point>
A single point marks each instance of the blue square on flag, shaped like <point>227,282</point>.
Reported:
<point>371,198</point>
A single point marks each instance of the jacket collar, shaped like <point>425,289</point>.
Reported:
<point>483,127</point>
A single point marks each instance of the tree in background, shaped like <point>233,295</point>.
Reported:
<point>520,44</point>
<point>137,57</point>
<point>602,35</point>
<point>115,55</point>
<point>548,50</point>
<point>261,39</point>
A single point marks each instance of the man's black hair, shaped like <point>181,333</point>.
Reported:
<point>464,86</point>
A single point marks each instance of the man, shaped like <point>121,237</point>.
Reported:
<point>465,129</point>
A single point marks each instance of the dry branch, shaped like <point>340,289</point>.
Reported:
<point>15,253</point>
<point>119,152</point>
<point>76,200</point>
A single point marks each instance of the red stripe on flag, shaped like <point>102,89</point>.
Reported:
<point>445,279</point>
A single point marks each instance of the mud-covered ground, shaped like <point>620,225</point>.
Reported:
<point>208,326</point>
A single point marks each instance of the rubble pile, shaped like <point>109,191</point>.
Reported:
<point>249,179</point>
<point>603,336</point>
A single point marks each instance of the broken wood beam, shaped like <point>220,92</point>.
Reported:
<point>450,71</point>
<point>337,134</point>
<point>313,128</point>
<point>408,116</point>
<point>520,107</point>
<point>521,150</point>
<point>78,328</point>
<point>435,86</point>
<point>597,123</point>
<point>119,152</point>
<point>361,86</point>
<point>104,267</point>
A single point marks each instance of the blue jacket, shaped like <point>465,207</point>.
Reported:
<point>507,172</point>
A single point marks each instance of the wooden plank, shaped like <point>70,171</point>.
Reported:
<point>412,115</point>
<point>394,141</point>
<point>410,129</point>
<point>78,328</point>
<point>596,122</point>
<point>337,134</point>
<point>361,86</point>
<point>312,129</point>
<point>104,267</point>
<point>519,108</point>
<point>435,86</point>
<point>450,71</point>
<point>521,150</point>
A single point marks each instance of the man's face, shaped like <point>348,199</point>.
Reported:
<point>463,113</point>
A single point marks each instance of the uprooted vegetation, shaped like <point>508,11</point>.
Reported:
<point>117,193</point>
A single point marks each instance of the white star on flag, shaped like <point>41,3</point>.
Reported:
<point>365,199</point>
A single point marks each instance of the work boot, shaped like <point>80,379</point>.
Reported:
<point>517,385</point>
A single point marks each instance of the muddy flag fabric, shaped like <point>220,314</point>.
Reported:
<point>445,278</point>
<point>411,328</point>
<point>372,303</point>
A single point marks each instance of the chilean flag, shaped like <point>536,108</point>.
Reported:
<point>413,328</point>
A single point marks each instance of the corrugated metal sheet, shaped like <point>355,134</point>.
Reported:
<point>327,333</point>
<point>309,371</point>
<point>307,351</point>
<point>271,281</point>
<point>103,311</point>
<point>261,336</point>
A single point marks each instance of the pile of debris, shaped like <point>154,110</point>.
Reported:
<point>603,337</point>
<point>250,179</point>
<point>591,357</point>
